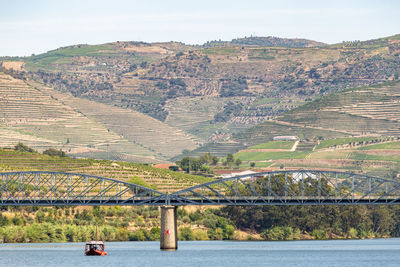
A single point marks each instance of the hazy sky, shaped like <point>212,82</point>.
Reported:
<point>36,26</point>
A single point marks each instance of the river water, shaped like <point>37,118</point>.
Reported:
<point>377,252</point>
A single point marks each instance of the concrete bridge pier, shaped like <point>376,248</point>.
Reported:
<point>169,233</point>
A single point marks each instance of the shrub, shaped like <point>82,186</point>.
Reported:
<point>24,148</point>
<point>352,233</point>
<point>155,233</point>
<point>319,234</point>
<point>139,235</point>
<point>186,234</point>
<point>54,152</point>
<point>281,233</point>
<point>173,168</point>
<point>199,234</point>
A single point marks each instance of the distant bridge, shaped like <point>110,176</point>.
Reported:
<point>295,187</point>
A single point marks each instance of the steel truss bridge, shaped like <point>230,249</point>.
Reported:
<point>294,187</point>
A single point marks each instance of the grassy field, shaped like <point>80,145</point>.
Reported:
<point>222,51</point>
<point>267,130</point>
<point>390,145</point>
<point>64,56</point>
<point>339,154</point>
<point>274,145</point>
<point>365,156</point>
<point>262,156</point>
<point>343,141</point>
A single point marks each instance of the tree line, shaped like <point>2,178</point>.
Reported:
<point>204,162</point>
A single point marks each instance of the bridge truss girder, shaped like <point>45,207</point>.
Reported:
<point>57,188</point>
<point>298,187</point>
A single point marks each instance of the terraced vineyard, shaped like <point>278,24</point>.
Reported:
<point>38,119</point>
<point>142,130</point>
<point>267,130</point>
<point>305,146</point>
<point>373,110</point>
<point>378,156</point>
<point>193,114</point>
<point>213,93</point>
<point>162,180</point>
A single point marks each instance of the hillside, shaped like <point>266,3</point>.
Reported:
<point>376,156</point>
<point>43,118</point>
<point>373,110</point>
<point>216,93</point>
<point>362,111</point>
<point>269,77</point>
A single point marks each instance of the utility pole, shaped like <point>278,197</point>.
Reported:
<point>108,151</point>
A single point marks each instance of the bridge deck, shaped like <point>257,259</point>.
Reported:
<point>201,201</point>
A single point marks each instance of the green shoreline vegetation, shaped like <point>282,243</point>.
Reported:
<point>77,224</point>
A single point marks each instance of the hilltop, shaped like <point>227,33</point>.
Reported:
<point>266,41</point>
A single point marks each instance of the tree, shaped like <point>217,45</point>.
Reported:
<point>238,162</point>
<point>190,164</point>
<point>230,159</point>
<point>209,159</point>
<point>214,160</point>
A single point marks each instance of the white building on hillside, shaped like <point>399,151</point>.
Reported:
<point>286,138</point>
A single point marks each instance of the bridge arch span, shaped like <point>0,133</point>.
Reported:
<point>44,188</point>
<point>292,187</point>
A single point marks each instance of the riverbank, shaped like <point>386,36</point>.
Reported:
<point>77,224</point>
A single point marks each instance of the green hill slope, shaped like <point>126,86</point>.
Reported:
<point>160,179</point>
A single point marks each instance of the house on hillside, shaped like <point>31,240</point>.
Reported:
<point>166,166</point>
<point>286,138</point>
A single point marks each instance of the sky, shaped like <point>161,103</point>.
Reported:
<point>36,26</point>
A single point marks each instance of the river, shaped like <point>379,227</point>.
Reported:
<point>376,252</point>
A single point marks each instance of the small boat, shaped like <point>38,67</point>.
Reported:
<point>95,248</point>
